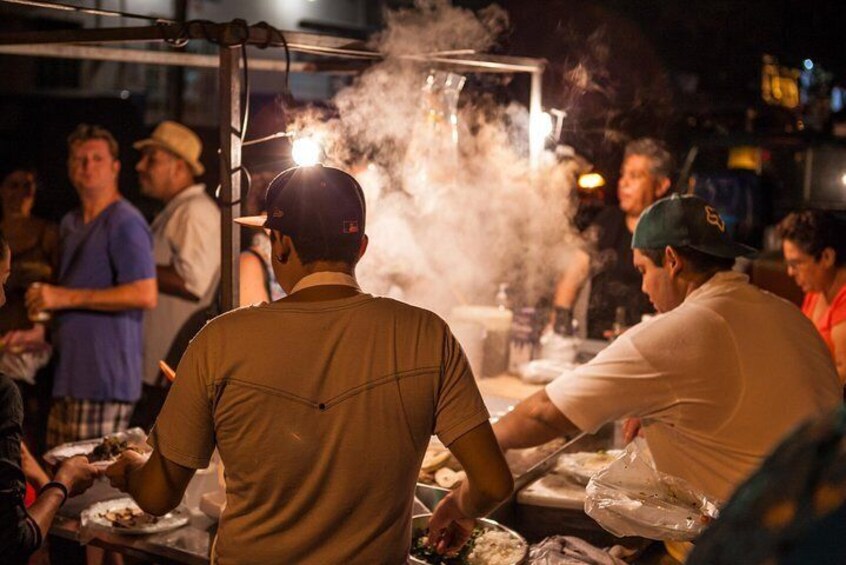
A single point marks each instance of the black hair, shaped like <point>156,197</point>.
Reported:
<point>4,247</point>
<point>698,261</point>
<point>813,231</point>
<point>334,250</point>
<point>311,250</point>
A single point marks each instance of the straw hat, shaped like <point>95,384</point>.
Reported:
<point>179,140</point>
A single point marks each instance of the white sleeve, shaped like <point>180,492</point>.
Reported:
<point>194,237</point>
<point>619,382</point>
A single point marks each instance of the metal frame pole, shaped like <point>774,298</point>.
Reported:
<point>230,175</point>
<point>535,109</point>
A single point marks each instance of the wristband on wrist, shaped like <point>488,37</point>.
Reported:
<point>56,485</point>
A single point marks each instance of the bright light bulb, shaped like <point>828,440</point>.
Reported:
<point>542,125</point>
<point>591,180</point>
<point>306,151</point>
<point>843,179</point>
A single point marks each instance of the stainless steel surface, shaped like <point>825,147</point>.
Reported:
<point>189,544</point>
<point>546,464</point>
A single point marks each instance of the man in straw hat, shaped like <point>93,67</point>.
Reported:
<point>718,378</point>
<point>186,246</point>
<point>322,404</point>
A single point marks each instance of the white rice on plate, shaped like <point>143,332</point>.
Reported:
<point>496,548</point>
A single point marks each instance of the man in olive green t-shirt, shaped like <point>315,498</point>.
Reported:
<point>321,404</point>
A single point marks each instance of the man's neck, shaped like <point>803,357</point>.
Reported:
<point>837,283</point>
<point>695,280</point>
<point>324,292</point>
<point>177,192</point>
<point>93,205</point>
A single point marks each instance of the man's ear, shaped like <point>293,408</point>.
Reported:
<point>827,257</point>
<point>662,188</point>
<point>362,248</point>
<point>281,246</point>
<point>673,261</point>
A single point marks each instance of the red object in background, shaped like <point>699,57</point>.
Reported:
<point>30,495</point>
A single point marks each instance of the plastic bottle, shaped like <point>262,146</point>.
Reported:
<point>501,298</point>
<point>619,325</point>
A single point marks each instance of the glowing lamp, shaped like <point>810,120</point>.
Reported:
<point>590,181</point>
<point>306,151</point>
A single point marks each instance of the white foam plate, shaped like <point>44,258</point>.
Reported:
<point>585,464</point>
<point>134,436</point>
<point>94,516</point>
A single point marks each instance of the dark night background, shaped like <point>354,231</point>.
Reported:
<point>687,72</point>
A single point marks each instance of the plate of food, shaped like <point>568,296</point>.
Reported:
<point>103,451</point>
<point>440,467</point>
<point>490,544</point>
<point>583,465</point>
<point>123,516</point>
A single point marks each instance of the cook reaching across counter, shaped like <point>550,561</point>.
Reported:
<point>718,379</point>
<point>321,403</point>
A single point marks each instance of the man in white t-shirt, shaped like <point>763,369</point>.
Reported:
<point>723,374</point>
<point>321,404</point>
<point>186,246</point>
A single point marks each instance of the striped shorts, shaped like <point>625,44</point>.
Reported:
<point>72,419</point>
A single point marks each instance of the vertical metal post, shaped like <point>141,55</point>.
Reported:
<point>176,74</point>
<point>535,140</point>
<point>230,174</point>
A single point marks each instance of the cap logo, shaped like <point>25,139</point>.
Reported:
<point>713,218</point>
<point>350,226</point>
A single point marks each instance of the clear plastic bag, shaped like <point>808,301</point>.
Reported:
<point>631,498</point>
<point>569,550</point>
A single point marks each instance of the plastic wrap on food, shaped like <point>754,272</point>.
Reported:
<point>542,371</point>
<point>631,498</point>
<point>569,550</point>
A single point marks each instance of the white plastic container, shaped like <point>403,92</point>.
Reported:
<point>483,333</point>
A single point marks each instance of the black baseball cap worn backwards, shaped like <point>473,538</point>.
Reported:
<point>313,202</point>
<point>680,221</point>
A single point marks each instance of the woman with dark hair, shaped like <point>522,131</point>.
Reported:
<point>34,243</point>
<point>23,529</point>
<point>814,248</point>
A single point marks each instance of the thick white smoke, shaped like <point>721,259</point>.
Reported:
<point>453,208</point>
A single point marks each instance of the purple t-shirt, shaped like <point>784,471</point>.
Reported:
<point>99,353</point>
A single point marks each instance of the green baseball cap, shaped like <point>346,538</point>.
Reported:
<point>686,221</point>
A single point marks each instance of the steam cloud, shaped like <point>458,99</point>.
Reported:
<point>453,208</point>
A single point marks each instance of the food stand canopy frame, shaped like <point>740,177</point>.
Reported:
<point>345,56</point>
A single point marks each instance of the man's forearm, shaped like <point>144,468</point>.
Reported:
<point>170,282</point>
<point>534,421</point>
<point>572,280</point>
<point>475,503</point>
<point>44,509</point>
<point>139,295</point>
<point>157,485</point>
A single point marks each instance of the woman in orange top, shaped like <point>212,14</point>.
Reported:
<point>814,245</point>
